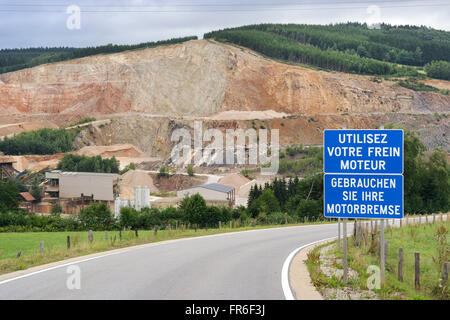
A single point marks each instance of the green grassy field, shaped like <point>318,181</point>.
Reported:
<point>412,238</point>
<point>55,243</point>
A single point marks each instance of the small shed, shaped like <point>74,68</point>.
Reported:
<point>26,201</point>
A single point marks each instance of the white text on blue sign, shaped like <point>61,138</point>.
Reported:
<point>363,151</point>
<point>363,196</point>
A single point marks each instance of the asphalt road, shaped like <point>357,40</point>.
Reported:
<point>242,265</point>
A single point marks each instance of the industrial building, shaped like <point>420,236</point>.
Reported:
<point>64,184</point>
<point>211,191</point>
<point>74,190</point>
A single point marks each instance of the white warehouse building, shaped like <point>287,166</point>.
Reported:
<point>211,191</point>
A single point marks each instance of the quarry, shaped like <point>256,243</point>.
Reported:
<point>139,98</point>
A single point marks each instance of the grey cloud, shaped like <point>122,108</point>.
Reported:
<point>25,29</point>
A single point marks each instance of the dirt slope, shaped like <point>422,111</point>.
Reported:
<point>199,78</point>
<point>143,95</point>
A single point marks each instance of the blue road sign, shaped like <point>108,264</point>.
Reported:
<point>363,151</point>
<point>364,196</point>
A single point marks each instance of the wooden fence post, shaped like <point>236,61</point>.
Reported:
<point>400,264</point>
<point>41,247</point>
<point>120,235</point>
<point>365,233</point>
<point>206,227</point>
<point>359,234</point>
<point>220,225</point>
<point>417,270</point>
<point>68,242</point>
<point>136,233</point>
<point>196,226</point>
<point>231,224</point>
<point>385,250</point>
<point>90,236</point>
<point>106,236</point>
<point>155,230</point>
<point>445,269</point>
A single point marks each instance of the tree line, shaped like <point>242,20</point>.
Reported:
<point>41,141</point>
<point>280,47</point>
<point>438,69</point>
<point>16,59</point>
<point>350,47</point>
<point>77,163</point>
<point>407,45</point>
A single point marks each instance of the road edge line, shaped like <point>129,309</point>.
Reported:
<point>285,283</point>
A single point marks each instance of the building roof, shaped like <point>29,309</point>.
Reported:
<point>71,173</point>
<point>27,196</point>
<point>235,180</point>
<point>215,186</point>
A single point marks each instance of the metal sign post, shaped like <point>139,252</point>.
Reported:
<point>344,258</point>
<point>382,253</point>
<point>339,234</point>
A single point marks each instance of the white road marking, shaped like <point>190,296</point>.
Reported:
<point>287,291</point>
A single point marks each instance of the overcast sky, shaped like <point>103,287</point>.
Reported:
<point>30,23</point>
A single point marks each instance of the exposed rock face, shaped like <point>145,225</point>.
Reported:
<point>149,93</point>
<point>199,78</point>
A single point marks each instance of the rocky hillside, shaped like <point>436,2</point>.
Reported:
<point>201,79</point>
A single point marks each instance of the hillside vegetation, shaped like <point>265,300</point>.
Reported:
<point>16,59</point>
<point>41,141</point>
<point>351,47</point>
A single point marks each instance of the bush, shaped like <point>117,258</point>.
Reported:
<point>42,141</point>
<point>9,195</point>
<point>190,170</point>
<point>73,162</point>
<point>56,209</point>
<point>128,218</point>
<point>163,172</point>
<point>96,216</point>
<point>310,208</point>
<point>438,69</point>
<point>193,208</point>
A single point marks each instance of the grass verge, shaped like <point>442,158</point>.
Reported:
<point>55,243</point>
<point>431,240</point>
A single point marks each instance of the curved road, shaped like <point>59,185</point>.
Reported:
<point>240,265</point>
